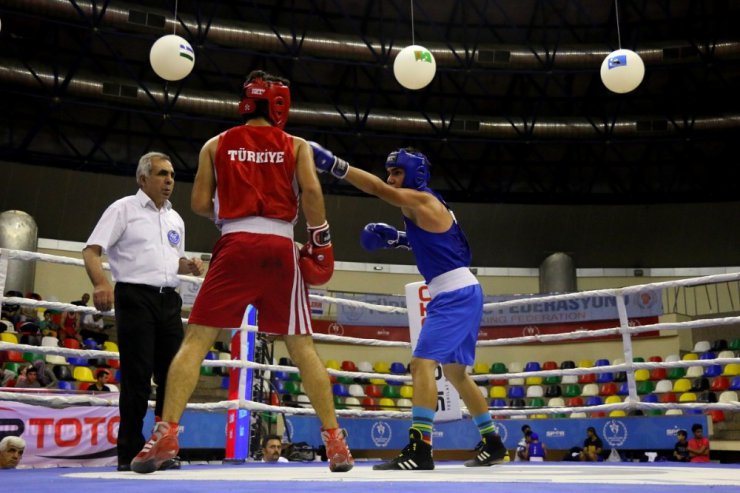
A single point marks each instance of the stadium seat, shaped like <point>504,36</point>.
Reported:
<point>480,369</point>
<point>498,403</point>
<point>571,390</point>
<point>207,371</point>
<point>657,374</point>
<point>532,366</point>
<point>387,404</point>
<point>110,346</point>
<point>590,389</point>
<point>516,381</point>
<point>356,390</point>
<point>720,383</point>
<point>728,396</point>
<point>373,390</point>
<point>71,343</point>
<point>83,374</point>
<point>398,368</point>
<point>707,396</point>
<point>690,357</point>
<point>332,363</point>
<point>516,392</point>
<point>731,370</point>
<point>645,387</point>
<point>303,401</point>
<point>382,367</point>
<point>549,365</point>
<point>535,391</point>
<point>553,391</point>
<point>556,402</point>
<point>294,376</point>
<point>340,390</point>
<point>30,339</point>
<point>605,377</point>
<point>650,398</point>
<point>672,358</point>
<point>116,363</point>
<point>707,355</point>
<point>617,413</point>
<point>407,391</point>
<point>497,392</point>
<point>569,379</point>
<point>620,376</point>
<point>687,397</point>
<point>735,383</point>
<point>673,412</point>
<point>655,359</point>
<point>370,403</point>
<point>676,373</point>
<point>551,380</point>
<point>62,372</point>
<point>702,346</point>
<point>567,364</point>
<point>638,359</point>
<point>65,385</point>
<point>391,391</point>
<point>712,371</point>
<point>31,357</point>
<point>587,378</point>
<point>533,381</point>
<point>717,415</point>
<point>404,404</point>
<point>517,403</point>
<point>598,414</point>
<point>352,402</point>
<point>601,362</point>
<point>537,402</point>
<point>682,385</point>
<point>623,389</point>
<point>8,337</point>
<point>613,399</point>
<point>578,415</point>
<point>348,365</point>
<point>726,354</point>
<point>502,382</point>
<point>719,345</point>
<point>498,368</point>
<point>365,367</point>
<point>734,345</point>
<point>515,367</point>
<point>574,402</point>
<point>699,384</point>
<point>55,359</point>
<point>593,400</point>
<point>585,363</point>
<point>668,397</point>
<point>663,386</point>
<point>608,389</point>
<point>642,375</point>
<point>293,388</point>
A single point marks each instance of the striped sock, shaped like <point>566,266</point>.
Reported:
<point>422,419</point>
<point>484,424</point>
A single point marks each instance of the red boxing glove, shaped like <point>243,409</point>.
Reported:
<point>316,264</point>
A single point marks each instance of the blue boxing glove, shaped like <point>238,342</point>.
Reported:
<point>328,162</point>
<point>380,235</point>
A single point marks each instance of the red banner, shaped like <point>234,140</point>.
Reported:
<point>486,333</point>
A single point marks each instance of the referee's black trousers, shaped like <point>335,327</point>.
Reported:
<point>149,325</point>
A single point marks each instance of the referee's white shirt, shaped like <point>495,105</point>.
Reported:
<point>144,244</point>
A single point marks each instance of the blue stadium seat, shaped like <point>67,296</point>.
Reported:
<point>398,368</point>
<point>712,371</point>
<point>498,403</point>
<point>623,389</point>
<point>593,401</point>
<point>604,377</point>
<point>601,362</point>
<point>532,366</point>
<point>516,392</point>
<point>707,355</point>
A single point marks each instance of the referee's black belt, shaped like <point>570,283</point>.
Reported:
<point>147,287</point>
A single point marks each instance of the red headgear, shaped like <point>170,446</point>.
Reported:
<point>274,92</point>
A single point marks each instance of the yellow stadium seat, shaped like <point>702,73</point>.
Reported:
<point>731,370</point>
<point>690,357</point>
<point>613,399</point>
<point>538,416</point>
<point>333,364</point>
<point>533,381</point>
<point>585,363</point>
<point>687,397</point>
<point>497,392</point>
<point>83,374</point>
<point>642,375</point>
<point>387,403</point>
<point>378,381</point>
<point>382,367</point>
<point>8,337</point>
<point>480,368</point>
<point>617,413</point>
<point>110,346</point>
<point>682,385</point>
<point>407,392</point>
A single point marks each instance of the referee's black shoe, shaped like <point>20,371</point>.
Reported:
<point>489,451</point>
<point>416,456</point>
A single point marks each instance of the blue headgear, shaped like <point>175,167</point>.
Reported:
<point>415,166</point>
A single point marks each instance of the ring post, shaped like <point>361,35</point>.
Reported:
<point>240,387</point>
<point>624,328</point>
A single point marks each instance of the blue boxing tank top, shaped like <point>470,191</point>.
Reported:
<point>536,449</point>
<point>437,253</point>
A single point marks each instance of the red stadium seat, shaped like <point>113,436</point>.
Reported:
<point>658,374</point>
<point>608,389</point>
<point>373,391</point>
<point>550,365</point>
<point>587,378</point>
<point>71,343</point>
<point>720,383</point>
<point>668,397</point>
<point>574,402</point>
<point>370,404</point>
<point>349,366</point>
<point>717,415</point>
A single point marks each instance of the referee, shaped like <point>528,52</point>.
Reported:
<point>144,238</point>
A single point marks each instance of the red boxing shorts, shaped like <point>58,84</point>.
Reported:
<point>259,270</point>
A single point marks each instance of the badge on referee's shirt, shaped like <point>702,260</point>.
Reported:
<point>173,236</point>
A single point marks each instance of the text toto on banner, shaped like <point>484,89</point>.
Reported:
<point>448,400</point>
<point>63,437</point>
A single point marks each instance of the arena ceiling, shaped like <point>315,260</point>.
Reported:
<point>517,112</point>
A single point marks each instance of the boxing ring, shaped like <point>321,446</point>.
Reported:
<point>557,477</point>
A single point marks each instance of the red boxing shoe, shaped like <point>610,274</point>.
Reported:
<point>161,447</point>
<point>337,451</point>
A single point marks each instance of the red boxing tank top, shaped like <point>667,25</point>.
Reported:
<point>255,174</point>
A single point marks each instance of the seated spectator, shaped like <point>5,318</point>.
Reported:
<point>10,312</point>
<point>11,451</point>
<point>44,375</point>
<point>7,378</point>
<point>535,450</point>
<point>29,313</point>
<point>70,327</point>
<point>102,376</point>
<point>31,380</point>
<point>49,328</point>
<point>93,326</point>
<point>681,449</point>
<point>523,444</point>
<point>82,301</point>
<point>272,446</point>
<point>698,446</point>
<point>592,446</point>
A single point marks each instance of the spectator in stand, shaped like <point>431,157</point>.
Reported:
<point>11,451</point>
<point>101,376</point>
<point>681,449</point>
<point>44,375</point>
<point>82,301</point>
<point>49,328</point>
<point>29,313</point>
<point>70,327</point>
<point>93,327</point>
<point>12,312</point>
<point>536,451</point>
<point>272,446</point>
<point>521,447</point>
<point>31,381</point>
<point>698,446</point>
<point>592,446</point>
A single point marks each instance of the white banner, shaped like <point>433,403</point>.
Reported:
<point>448,400</point>
<point>72,437</point>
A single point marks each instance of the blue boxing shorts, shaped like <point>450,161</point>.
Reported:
<point>450,330</point>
